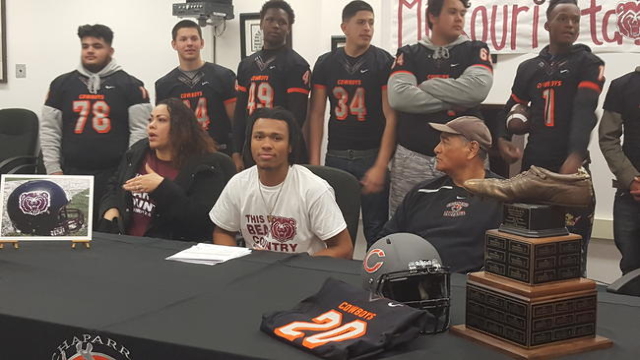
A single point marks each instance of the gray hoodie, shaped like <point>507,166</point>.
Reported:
<point>466,91</point>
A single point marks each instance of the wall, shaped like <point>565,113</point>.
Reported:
<point>42,35</point>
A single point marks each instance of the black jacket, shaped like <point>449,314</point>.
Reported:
<point>183,205</point>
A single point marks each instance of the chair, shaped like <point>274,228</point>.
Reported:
<point>629,284</point>
<point>18,141</point>
<point>347,190</point>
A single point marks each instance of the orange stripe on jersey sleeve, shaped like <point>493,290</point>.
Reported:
<point>229,101</point>
<point>384,87</point>
<point>590,85</point>
<point>402,72</point>
<point>484,66</point>
<point>318,86</point>
<point>298,90</point>
<point>518,100</point>
<point>241,88</point>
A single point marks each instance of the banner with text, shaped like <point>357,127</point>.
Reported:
<point>512,26</point>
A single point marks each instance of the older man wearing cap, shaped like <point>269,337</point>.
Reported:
<point>441,210</point>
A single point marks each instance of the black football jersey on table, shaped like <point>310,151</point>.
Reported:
<point>549,84</point>
<point>95,127</point>
<point>342,321</point>
<point>354,88</point>
<point>623,98</point>
<point>206,93</point>
<point>414,132</point>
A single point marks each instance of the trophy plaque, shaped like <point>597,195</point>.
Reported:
<point>533,220</point>
<point>532,260</point>
<point>531,302</point>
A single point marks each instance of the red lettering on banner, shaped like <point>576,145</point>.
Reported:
<point>536,21</point>
<point>514,23</point>
<point>592,11</point>
<point>505,25</point>
<point>401,5</point>
<point>505,15</point>
<point>617,37</point>
<point>485,20</point>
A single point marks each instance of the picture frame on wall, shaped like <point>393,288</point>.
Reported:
<point>251,39</point>
<point>338,41</point>
<point>3,42</point>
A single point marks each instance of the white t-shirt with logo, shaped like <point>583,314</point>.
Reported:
<point>303,210</point>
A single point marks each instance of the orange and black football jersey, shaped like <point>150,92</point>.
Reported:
<point>354,88</point>
<point>342,322</point>
<point>100,121</point>
<point>269,78</point>
<point>562,92</point>
<point>414,132</point>
<point>211,87</point>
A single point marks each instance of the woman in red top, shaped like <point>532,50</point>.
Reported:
<point>167,183</point>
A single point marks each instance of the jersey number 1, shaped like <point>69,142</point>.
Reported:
<point>357,107</point>
<point>328,326</point>
<point>100,119</point>
<point>549,96</point>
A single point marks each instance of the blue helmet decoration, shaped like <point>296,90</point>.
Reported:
<point>39,207</point>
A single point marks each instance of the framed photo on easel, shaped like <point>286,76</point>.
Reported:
<point>46,207</point>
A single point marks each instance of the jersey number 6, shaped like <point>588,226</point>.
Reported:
<point>100,119</point>
<point>328,326</point>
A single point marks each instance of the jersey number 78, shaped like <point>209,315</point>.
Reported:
<point>100,115</point>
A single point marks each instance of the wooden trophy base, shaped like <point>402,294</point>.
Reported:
<point>568,347</point>
<point>15,243</point>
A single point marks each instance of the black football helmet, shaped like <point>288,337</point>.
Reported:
<point>39,207</point>
<point>407,268</point>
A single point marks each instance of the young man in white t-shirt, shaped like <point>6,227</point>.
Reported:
<point>277,205</point>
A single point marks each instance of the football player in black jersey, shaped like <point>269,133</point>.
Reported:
<point>561,87</point>
<point>361,123</point>
<point>443,76</point>
<point>208,89</point>
<point>273,76</point>
<point>93,113</point>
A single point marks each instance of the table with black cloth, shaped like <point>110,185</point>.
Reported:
<point>123,290</point>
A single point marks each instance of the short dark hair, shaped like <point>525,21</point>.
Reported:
<point>434,7</point>
<point>278,4</point>
<point>352,9</point>
<point>186,135</point>
<point>554,3</point>
<point>97,31</point>
<point>185,24</point>
<point>276,113</point>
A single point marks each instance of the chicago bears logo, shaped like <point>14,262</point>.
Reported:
<point>283,229</point>
<point>375,267</point>
<point>629,19</point>
<point>34,202</point>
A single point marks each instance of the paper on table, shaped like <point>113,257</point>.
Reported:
<point>209,254</point>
